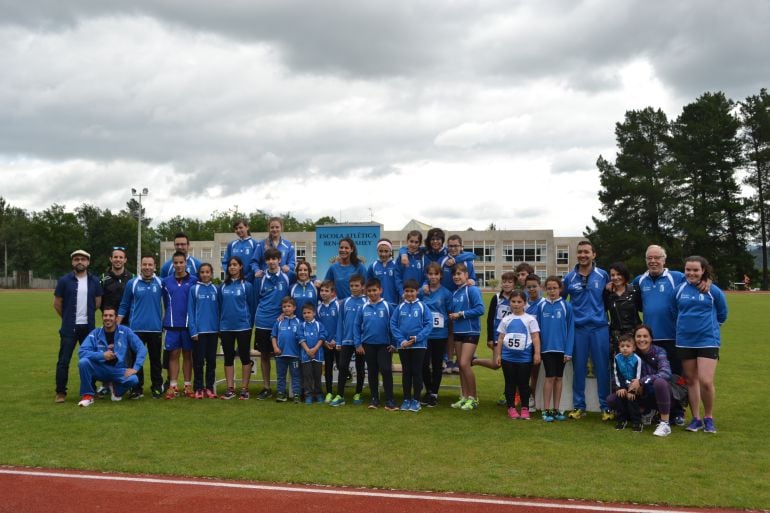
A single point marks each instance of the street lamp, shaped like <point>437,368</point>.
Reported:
<point>139,195</point>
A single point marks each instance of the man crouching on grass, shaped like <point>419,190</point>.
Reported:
<point>103,356</point>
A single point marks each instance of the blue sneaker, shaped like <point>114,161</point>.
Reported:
<point>357,399</point>
<point>337,401</point>
<point>559,415</point>
<point>548,416</point>
<point>415,407</point>
<point>406,404</point>
<point>308,399</point>
<point>695,425</point>
<point>708,425</point>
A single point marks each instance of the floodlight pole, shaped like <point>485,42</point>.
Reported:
<point>140,195</point>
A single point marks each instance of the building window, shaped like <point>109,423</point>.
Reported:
<point>300,253</point>
<point>484,250</point>
<point>222,250</point>
<point>206,254</point>
<point>508,252</point>
<point>562,255</point>
<point>530,251</point>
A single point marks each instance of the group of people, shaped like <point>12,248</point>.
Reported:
<point>420,301</point>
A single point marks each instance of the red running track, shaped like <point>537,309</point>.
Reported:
<point>37,491</point>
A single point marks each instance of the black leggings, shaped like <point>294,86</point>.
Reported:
<point>204,352</point>
<point>411,369</point>
<point>516,376</point>
<point>379,361</point>
<point>432,363</point>
<point>244,346</point>
<point>152,340</point>
<point>331,357</point>
<point>346,354</point>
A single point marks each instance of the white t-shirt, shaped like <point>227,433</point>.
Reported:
<point>81,309</point>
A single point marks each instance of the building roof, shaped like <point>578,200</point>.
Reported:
<point>414,224</point>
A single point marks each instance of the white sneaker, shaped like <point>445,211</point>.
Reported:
<point>663,429</point>
<point>113,397</point>
<point>532,403</point>
<point>86,401</point>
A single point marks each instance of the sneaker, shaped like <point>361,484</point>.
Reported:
<point>188,391</point>
<point>577,413</point>
<point>157,393</point>
<point>447,368</point>
<point>60,398</point>
<point>636,428</point>
<point>406,405</point>
<point>357,399</point>
<point>708,425</point>
<point>266,393</point>
<point>647,417</point>
<point>390,405</point>
<point>512,413</point>
<point>608,415</point>
<point>113,397</point>
<point>663,429</point>
<point>87,400</point>
<point>470,404</point>
<point>102,391</point>
<point>501,401</point>
<point>415,406</point>
<point>524,413</point>
<point>548,416</point>
<point>455,368</point>
<point>425,399</point>
<point>135,394</point>
<point>620,425</point>
<point>308,399</point>
<point>199,394</point>
<point>171,392</point>
<point>695,425</point>
<point>432,401</point>
<point>298,400</point>
<point>458,403</point>
<point>166,385</point>
<point>328,398</point>
<point>559,415</point>
<point>229,394</point>
<point>210,394</point>
<point>281,397</point>
<point>338,401</point>
<point>244,395</point>
<point>532,405</point>
<point>678,420</point>
<point>320,399</point>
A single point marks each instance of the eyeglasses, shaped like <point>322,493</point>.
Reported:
<point>652,258</point>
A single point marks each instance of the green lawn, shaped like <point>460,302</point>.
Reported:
<point>439,449</point>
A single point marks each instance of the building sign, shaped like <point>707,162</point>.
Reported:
<point>327,236</point>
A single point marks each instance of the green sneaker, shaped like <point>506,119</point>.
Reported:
<point>577,413</point>
<point>357,399</point>
<point>458,403</point>
<point>501,400</point>
<point>338,401</point>
<point>328,398</point>
<point>470,404</point>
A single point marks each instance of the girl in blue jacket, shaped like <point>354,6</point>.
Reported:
<point>698,340</point>
<point>236,298</point>
<point>384,270</point>
<point>466,311</point>
<point>439,300</point>
<point>304,291</point>
<point>203,311</point>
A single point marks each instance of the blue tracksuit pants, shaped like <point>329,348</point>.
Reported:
<point>593,342</point>
<point>91,371</point>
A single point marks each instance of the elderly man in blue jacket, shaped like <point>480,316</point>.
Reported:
<point>104,355</point>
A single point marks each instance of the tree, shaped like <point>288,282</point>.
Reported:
<point>711,217</point>
<point>16,239</point>
<point>636,194</point>
<point>755,136</point>
<point>58,233</point>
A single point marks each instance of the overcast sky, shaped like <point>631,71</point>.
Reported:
<point>456,113</point>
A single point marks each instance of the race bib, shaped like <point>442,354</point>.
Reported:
<point>515,341</point>
<point>438,320</point>
<point>502,311</point>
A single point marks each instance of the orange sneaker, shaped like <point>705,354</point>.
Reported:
<point>172,392</point>
<point>188,391</point>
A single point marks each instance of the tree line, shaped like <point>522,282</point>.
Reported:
<point>677,183</point>
<point>42,241</point>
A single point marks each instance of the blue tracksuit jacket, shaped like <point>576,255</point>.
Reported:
<point>288,256</point>
<point>557,327</point>
<point>414,271</point>
<point>95,344</point>
<point>587,299</point>
<point>411,320</point>
<point>304,293</point>
<point>312,332</point>
<point>193,264</point>
<point>175,296</point>
<point>346,325</point>
<point>372,324</point>
<point>287,334</point>
<point>269,290</point>
<point>340,275</point>
<point>243,249</point>
<point>203,309</point>
<point>328,314</point>
<point>143,301</point>
<point>658,302</point>
<point>386,273</point>
<point>439,302</point>
<point>467,299</point>
<point>236,306</point>
<point>467,258</point>
<point>700,316</point>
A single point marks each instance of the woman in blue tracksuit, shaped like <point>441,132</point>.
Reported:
<point>203,310</point>
<point>304,291</point>
<point>288,260</point>
<point>698,340</point>
<point>346,266</point>
<point>236,298</point>
<point>410,325</point>
<point>243,247</point>
<point>466,311</point>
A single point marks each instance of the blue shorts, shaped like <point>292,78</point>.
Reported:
<point>178,339</point>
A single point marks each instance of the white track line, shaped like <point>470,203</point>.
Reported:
<point>351,493</point>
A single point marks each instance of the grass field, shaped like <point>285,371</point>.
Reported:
<point>438,449</point>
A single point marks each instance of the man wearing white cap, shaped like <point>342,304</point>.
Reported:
<point>76,298</point>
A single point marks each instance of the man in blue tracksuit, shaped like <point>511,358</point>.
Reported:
<point>181,244</point>
<point>585,288</point>
<point>142,302</point>
<point>104,356</point>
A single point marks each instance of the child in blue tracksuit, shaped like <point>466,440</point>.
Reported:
<point>236,300</point>
<point>313,338</point>
<point>411,266</point>
<point>243,247</point>
<point>411,324</point>
<point>466,311</point>
<point>287,333</point>
<point>372,332</point>
<point>104,355</point>
<point>346,342</point>
<point>626,367</point>
<point>329,316</point>
<point>203,308</point>
<point>585,288</point>
<point>557,339</point>
<point>384,270</point>
<point>176,292</point>
<point>518,347</point>
<point>303,291</point>
<point>439,300</point>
